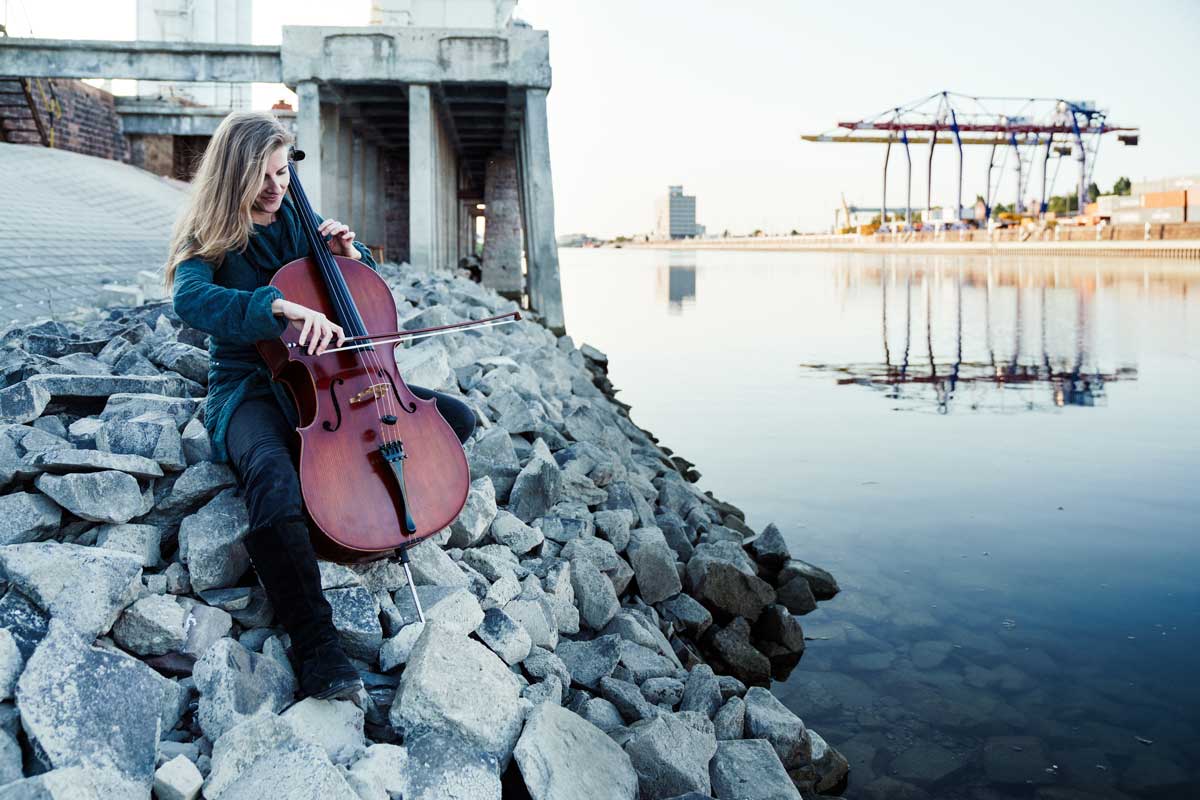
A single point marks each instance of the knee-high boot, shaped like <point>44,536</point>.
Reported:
<point>286,564</point>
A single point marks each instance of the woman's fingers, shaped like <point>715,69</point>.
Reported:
<point>308,321</point>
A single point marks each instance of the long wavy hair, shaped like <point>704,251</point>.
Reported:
<point>229,178</point>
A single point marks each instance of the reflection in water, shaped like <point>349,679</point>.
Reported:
<point>679,277</point>
<point>1040,371</point>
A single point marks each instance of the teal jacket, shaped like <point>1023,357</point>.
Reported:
<point>232,303</point>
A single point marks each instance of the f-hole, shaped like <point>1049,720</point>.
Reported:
<point>333,396</point>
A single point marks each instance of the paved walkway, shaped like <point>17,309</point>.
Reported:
<point>70,223</point>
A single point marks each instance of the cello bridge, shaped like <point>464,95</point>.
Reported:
<point>372,392</point>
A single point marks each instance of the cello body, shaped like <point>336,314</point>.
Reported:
<point>363,498</point>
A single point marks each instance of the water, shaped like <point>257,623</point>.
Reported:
<point>996,457</point>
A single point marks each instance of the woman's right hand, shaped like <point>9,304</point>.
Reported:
<point>315,328</point>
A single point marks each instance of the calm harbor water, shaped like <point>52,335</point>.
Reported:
<point>997,458</point>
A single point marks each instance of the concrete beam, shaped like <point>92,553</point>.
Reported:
<point>378,54</point>
<point>331,122</point>
<point>155,117</point>
<point>149,61</point>
<point>545,290</point>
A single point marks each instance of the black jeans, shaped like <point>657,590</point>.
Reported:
<point>260,440</point>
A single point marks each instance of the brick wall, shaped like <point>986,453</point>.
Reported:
<point>395,180</point>
<point>87,120</point>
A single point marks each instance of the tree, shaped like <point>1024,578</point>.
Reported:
<point>1093,191</point>
<point>1123,186</point>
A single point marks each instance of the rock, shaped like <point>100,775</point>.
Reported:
<point>627,698</point>
<point>676,534</point>
<point>726,586</point>
<point>749,770</point>
<point>653,563</point>
<point>796,595</point>
<point>190,362</point>
<point>688,614</point>
<point>1149,774</point>
<point>473,521</point>
<point>536,489</point>
<point>730,721</point>
<point>454,683</point>
<point>205,626</point>
<point>135,405</point>
<point>770,549</point>
<point>642,663</point>
<point>336,725</point>
<point>68,459</point>
<point>564,757</point>
<point>142,541</point>
<point>823,585</point>
<point>732,645</point>
<point>384,766</point>
<point>11,664</point>
<point>86,706</point>
<point>590,548</point>
<point>153,626</point>
<point>767,718</point>
<point>505,636</point>
<point>515,534</point>
<point>613,525</point>
<point>210,542</point>
<point>197,447</point>
<point>663,691</point>
<point>542,663</point>
<point>356,617</point>
<point>21,617</point>
<point>107,496</point>
<point>23,402</point>
<point>536,616</point>
<point>236,684</point>
<point>702,692</point>
<point>590,661</point>
<point>178,779</point>
<point>671,756</point>
<point>71,386</point>
<point>432,567</point>
<point>397,650</point>
<point>549,690</point>
<point>85,587</point>
<point>71,783</point>
<point>156,439</point>
<point>635,626</point>
<point>603,714</point>
<point>925,762</point>
<point>27,517</point>
<point>197,485</point>
<point>452,606</point>
<point>494,561</point>
<point>930,655</point>
<point>561,595</point>
<point>492,454</point>
<point>269,738</point>
<point>829,767</point>
<point>595,595</point>
<point>777,625</point>
<point>427,365</point>
<point>444,766</point>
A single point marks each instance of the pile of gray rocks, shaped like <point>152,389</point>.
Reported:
<point>596,626</point>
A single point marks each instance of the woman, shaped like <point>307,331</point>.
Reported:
<point>238,229</point>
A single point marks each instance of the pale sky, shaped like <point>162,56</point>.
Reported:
<point>714,96</point>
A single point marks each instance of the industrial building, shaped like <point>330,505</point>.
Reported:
<point>676,216</point>
<point>415,126</point>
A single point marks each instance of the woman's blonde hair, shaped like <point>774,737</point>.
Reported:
<point>227,181</point>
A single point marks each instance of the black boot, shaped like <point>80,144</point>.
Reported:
<point>286,564</point>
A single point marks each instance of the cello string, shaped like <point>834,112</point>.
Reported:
<point>339,291</point>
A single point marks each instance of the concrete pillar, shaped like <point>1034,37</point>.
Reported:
<point>345,168</point>
<point>421,164</point>
<point>502,236</point>
<point>370,230</point>
<point>355,217</point>
<point>330,135</point>
<point>308,139</point>
<point>545,291</point>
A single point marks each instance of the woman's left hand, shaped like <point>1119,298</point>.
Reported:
<point>341,238</point>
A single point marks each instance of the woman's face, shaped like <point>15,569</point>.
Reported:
<point>274,182</point>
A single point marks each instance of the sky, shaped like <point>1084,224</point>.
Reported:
<point>715,96</point>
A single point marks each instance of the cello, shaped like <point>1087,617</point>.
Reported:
<point>380,469</point>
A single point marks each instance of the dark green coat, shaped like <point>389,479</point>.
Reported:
<point>232,303</point>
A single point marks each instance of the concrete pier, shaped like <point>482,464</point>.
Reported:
<point>406,129</point>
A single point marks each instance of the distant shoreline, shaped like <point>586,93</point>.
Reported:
<point>1184,249</point>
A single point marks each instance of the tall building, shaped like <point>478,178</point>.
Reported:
<point>676,218</point>
<point>226,21</point>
